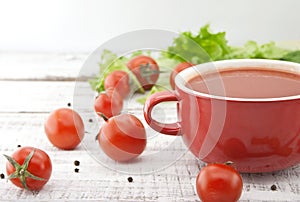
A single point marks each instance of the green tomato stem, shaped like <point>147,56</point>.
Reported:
<point>21,170</point>
<point>105,118</point>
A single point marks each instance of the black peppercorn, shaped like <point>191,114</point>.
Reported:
<point>76,170</point>
<point>2,176</point>
<point>273,187</point>
<point>130,179</point>
<point>76,163</point>
<point>69,104</point>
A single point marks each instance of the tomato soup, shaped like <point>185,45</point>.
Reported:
<point>247,83</point>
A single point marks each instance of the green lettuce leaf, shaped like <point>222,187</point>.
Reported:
<point>253,50</point>
<point>293,56</point>
<point>109,63</point>
<point>202,47</point>
<point>206,46</point>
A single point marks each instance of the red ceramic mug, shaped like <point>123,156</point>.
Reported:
<point>258,135</point>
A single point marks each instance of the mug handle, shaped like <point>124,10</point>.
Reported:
<point>165,128</point>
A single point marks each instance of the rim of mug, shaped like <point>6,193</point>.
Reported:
<point>186,75</point>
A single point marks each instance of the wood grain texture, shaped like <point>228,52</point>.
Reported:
<point>46,66</point>
<point>166,171</point>
<point>97,182</point>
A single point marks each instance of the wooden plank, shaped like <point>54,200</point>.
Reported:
<point>47,66</point>
<point>101,181</point>
<point>45,96</point>
<point>94,181</point>
<point>35,96</point>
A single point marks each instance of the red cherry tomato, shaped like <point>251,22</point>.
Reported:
<point>64,128</point>
<point>118,80</point>
<point>109,103</point>
<point>176,70</point>
<point>145,69</point>
<point>29,168</point>
<point>219,183</point>
<point>122,137</point>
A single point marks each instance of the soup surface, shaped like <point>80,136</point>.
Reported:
<point>247,83</point>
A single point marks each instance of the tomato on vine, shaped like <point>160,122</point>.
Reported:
<point>145,69</point>
<point>122,137</point>
<point>29,168</point>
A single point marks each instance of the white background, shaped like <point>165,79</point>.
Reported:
<point>83,25</point>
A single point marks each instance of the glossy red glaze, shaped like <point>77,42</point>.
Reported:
<point>260,135</point>
<point>164,96</point>
<point>176,70</point>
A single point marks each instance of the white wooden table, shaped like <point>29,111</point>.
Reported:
<point>34,84</point>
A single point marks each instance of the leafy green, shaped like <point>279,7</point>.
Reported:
<point>153,90</point>
<point>206,46</point>
<point>271,51</point>
<point>109,63</point>
<point>252,50</point>
<point>293,56</point>
<point>201,47</point>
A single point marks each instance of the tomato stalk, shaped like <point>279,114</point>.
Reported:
<point>146,71</point>
<point>21,170</point>
<point>105,118</point>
